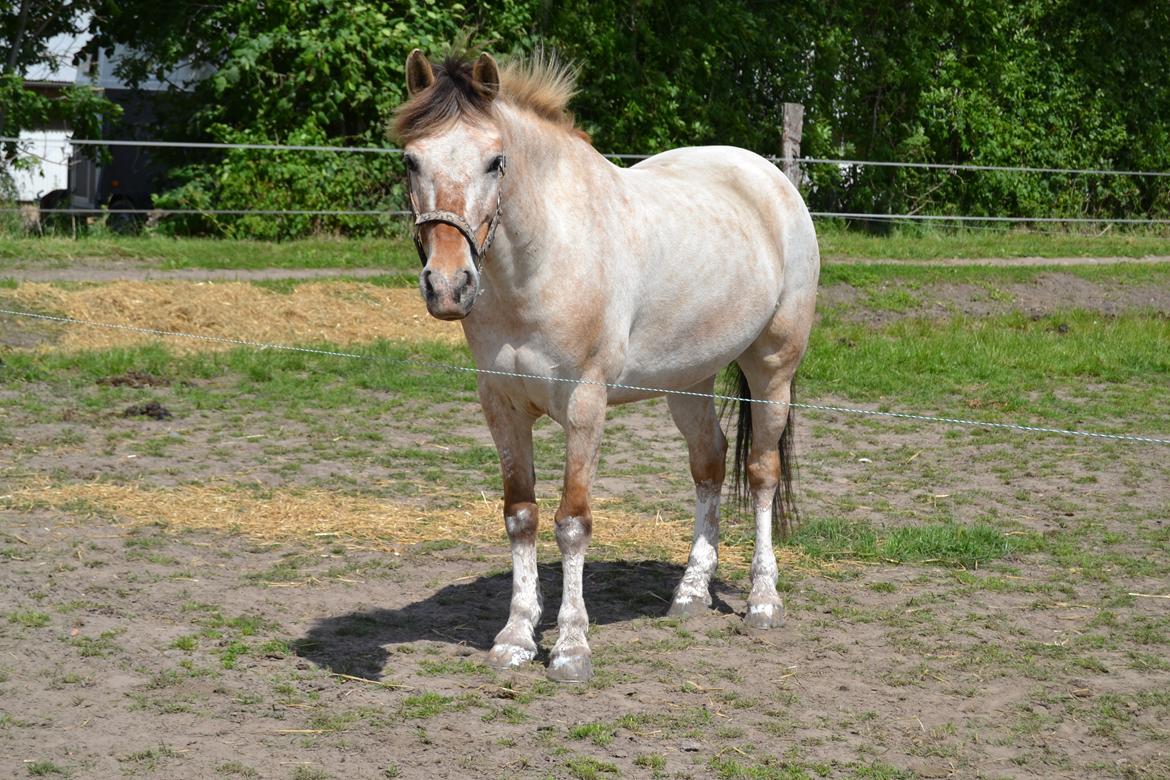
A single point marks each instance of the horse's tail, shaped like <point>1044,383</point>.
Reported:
<point>785,515</point>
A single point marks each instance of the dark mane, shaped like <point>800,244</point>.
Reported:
<point>452,95</point>
<point>540,84</point>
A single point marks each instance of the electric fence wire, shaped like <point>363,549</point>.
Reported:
<point>438,365</point>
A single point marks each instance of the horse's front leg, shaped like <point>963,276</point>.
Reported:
<point>512,431</point>
<point>583,421</point>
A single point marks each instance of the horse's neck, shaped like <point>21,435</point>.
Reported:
<point>555,181</point>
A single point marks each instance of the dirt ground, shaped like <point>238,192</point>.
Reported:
<point>138,643</point>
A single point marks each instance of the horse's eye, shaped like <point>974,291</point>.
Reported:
<point>411,163</point>
<point>497,164</point>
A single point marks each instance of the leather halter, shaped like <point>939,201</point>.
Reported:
<point>457,221</point>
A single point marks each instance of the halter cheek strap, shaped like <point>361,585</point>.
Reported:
<point>458,222</point>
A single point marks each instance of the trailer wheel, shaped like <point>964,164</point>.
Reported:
<point>122,219</point>
<point>55,224</point>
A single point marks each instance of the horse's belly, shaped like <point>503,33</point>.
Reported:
<point>674,354</point>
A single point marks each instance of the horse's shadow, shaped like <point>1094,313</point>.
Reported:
<point>470,613</point>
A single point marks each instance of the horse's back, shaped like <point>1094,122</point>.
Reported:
<point>729,200</point>
<point>721,237</point>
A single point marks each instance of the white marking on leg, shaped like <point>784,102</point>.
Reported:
<point>572,620</point>
<point>516,643</point>
<point>704,557</point>
<point>526,600</point>
<point>764,570</point>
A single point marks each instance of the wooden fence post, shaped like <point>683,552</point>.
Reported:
<point>790,133</point>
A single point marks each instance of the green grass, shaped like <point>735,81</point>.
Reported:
<point>940,543</point>
<point>428,705</point>
<point>1111,372</point>
<point>872,275</point>
<point>274,378</point>
<point>1115,371</point>
<point>600,734</point>
<point>394,255</point>
<point>588,768</point>
<point>29,618</point>
<point>931,242</point>
<point>397,255</point>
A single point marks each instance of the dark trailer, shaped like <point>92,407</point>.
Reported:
<point>124,178</point>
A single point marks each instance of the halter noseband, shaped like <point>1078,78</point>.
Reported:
<point>458,222</point>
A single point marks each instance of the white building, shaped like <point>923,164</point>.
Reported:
<point>44,163</point>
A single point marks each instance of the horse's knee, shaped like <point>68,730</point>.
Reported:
<point>573,532</point>
<point>521,520</point>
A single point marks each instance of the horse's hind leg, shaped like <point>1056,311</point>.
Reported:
<point>697,421</point>
<point>512,431</point>
<point>769,365</point>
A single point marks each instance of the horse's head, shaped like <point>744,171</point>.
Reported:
<point>455,162</point>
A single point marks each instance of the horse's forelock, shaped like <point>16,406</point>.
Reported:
<point>541,84</point>
<point>453,95</point>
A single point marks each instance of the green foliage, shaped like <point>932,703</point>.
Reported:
<point>1053,83</point>
<point>25,30</point>
<point>305,181</point>
<point>302,72</point>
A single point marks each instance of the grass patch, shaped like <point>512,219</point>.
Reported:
<point>588,768</point>
<point>428,705</point>
<point>398,254</point>
<point>268,380</point>
<point>600,734</point>
<point>944,544</point>
<point>1004,367</point>
<point>99,646</point>
<point>394,255</point>
<point>872,276</point>
<point>931,243</point>
<point>29,618</point>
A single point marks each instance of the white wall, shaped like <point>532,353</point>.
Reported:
<point>47,151</point>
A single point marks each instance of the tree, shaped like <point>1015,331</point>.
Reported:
<point>1062,83</point>
<point>25,30</point>
<point>309,72</point>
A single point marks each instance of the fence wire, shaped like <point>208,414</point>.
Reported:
<point>434,365</point>
<point>862,216</point>
<point>614,156</point>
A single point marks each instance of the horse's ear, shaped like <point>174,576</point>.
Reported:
<point>486,76</point>
<point>419,75</point>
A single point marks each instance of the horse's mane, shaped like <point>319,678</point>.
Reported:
<point>540,84</point>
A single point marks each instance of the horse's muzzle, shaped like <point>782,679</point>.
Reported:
<point>449,297</point>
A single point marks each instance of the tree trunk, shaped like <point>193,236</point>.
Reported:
<point>14,53</point>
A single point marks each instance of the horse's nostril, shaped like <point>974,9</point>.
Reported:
<point>462,287</point>
<point>428,288</point>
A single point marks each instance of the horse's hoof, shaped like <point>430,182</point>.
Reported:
<point>764,616</point>
<point>691,607</point>
<point>572,667</point>
<point>507,656</point>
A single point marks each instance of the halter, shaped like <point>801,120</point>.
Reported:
<point>458,222</point>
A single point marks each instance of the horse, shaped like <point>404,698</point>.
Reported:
<point>580,284</point>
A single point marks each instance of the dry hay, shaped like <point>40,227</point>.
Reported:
<point>309,513</point>
<point>334,312</point>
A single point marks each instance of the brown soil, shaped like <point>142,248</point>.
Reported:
<point>1044,295</point>
<point>97,270</point>
<point>266,598</point>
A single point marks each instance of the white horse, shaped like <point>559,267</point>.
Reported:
<point>656,276</point>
